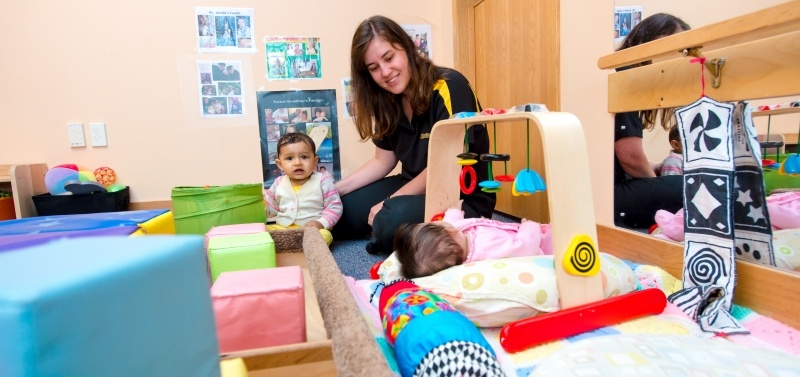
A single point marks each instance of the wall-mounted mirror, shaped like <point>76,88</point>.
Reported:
<point>776,126</point>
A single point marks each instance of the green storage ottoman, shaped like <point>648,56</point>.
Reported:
<point>197,209</point>
<point>774,180</point>
<point>240,252</point>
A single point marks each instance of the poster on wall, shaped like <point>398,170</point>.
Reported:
<point>625,18</point>
<point>220,88</point>
<point>421,35</point>
<point>225,29</point>
<point>312,112</point>
<point>347,98</point>
<point>291,58</point>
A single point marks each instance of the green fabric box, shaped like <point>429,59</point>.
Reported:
<point>240,252</point>
<point>198,209</point>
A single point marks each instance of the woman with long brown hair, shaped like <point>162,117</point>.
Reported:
<point>398,96</point>
<point>638,191</point>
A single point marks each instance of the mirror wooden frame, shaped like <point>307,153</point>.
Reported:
<point>760,50</point>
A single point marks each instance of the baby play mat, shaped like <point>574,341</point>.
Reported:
<point>37,230</point>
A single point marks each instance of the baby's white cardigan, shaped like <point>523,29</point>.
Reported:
<point>304,205</point>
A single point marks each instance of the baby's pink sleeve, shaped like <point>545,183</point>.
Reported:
<point>531,234</point>
<point>453,214</point>
<point>547,240</point>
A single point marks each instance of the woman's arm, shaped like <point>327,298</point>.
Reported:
<point>415,186</point>
<point>632,158</point>
<point>376,168</point>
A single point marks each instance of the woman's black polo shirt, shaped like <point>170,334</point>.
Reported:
<point>451,94</point>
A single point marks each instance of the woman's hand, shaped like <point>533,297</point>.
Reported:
<point>314,224</point>
<point>374,211</point>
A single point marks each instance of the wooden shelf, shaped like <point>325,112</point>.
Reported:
<point>790,138</point>
<point>25,181</point>
<point>785,110</point>
<point>782,18</point>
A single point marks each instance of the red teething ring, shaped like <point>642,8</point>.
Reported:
<point>373,271</point>
<point>465,171</point>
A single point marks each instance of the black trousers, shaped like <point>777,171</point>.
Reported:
<point>637,200</point>
<point>404,209</point>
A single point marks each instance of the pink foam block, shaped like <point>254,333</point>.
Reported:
<point>259,308</point>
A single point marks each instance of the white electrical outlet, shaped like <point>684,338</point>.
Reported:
<point>75,135</point>
<point>97,133</point>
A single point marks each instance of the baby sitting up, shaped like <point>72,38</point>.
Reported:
<point>427,248</point>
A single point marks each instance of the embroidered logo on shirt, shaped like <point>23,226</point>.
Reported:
<point>425,136</point>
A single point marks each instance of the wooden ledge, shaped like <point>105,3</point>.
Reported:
<point>765,23</point>
<point>768,291</point>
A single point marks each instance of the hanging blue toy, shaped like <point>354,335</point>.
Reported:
<point>528,181</point>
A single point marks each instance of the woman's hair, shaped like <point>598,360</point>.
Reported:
<point>651,28</point>
<point>425,249</point>
<point>371,102</point>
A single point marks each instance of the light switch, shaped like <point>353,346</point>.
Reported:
<point>97,133</point>
<point>75,135</point>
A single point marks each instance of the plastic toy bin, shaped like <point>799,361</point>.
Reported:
<point>51,205</point>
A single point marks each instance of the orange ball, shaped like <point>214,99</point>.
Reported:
<point>105,176</point>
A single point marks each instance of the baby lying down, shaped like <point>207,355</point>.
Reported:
<point>427,248</point>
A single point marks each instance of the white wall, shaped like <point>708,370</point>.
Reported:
<point>132,65</point>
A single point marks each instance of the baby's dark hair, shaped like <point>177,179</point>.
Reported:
<point>296,137</point>
<point>674,134</point>
<point>425,249</point>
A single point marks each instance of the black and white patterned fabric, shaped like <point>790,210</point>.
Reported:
<point>724,209</point>
<point>459,358</point>
<point>752,228</point>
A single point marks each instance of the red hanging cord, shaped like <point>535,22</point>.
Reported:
<point>702,62</point>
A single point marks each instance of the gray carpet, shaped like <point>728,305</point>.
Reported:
<point>354,261</point>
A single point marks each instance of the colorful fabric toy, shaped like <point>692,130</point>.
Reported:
<point>430,338</point>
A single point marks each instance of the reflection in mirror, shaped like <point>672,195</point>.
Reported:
<point>777,129</point>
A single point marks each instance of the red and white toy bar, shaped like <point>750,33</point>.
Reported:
<point>530,332</point>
